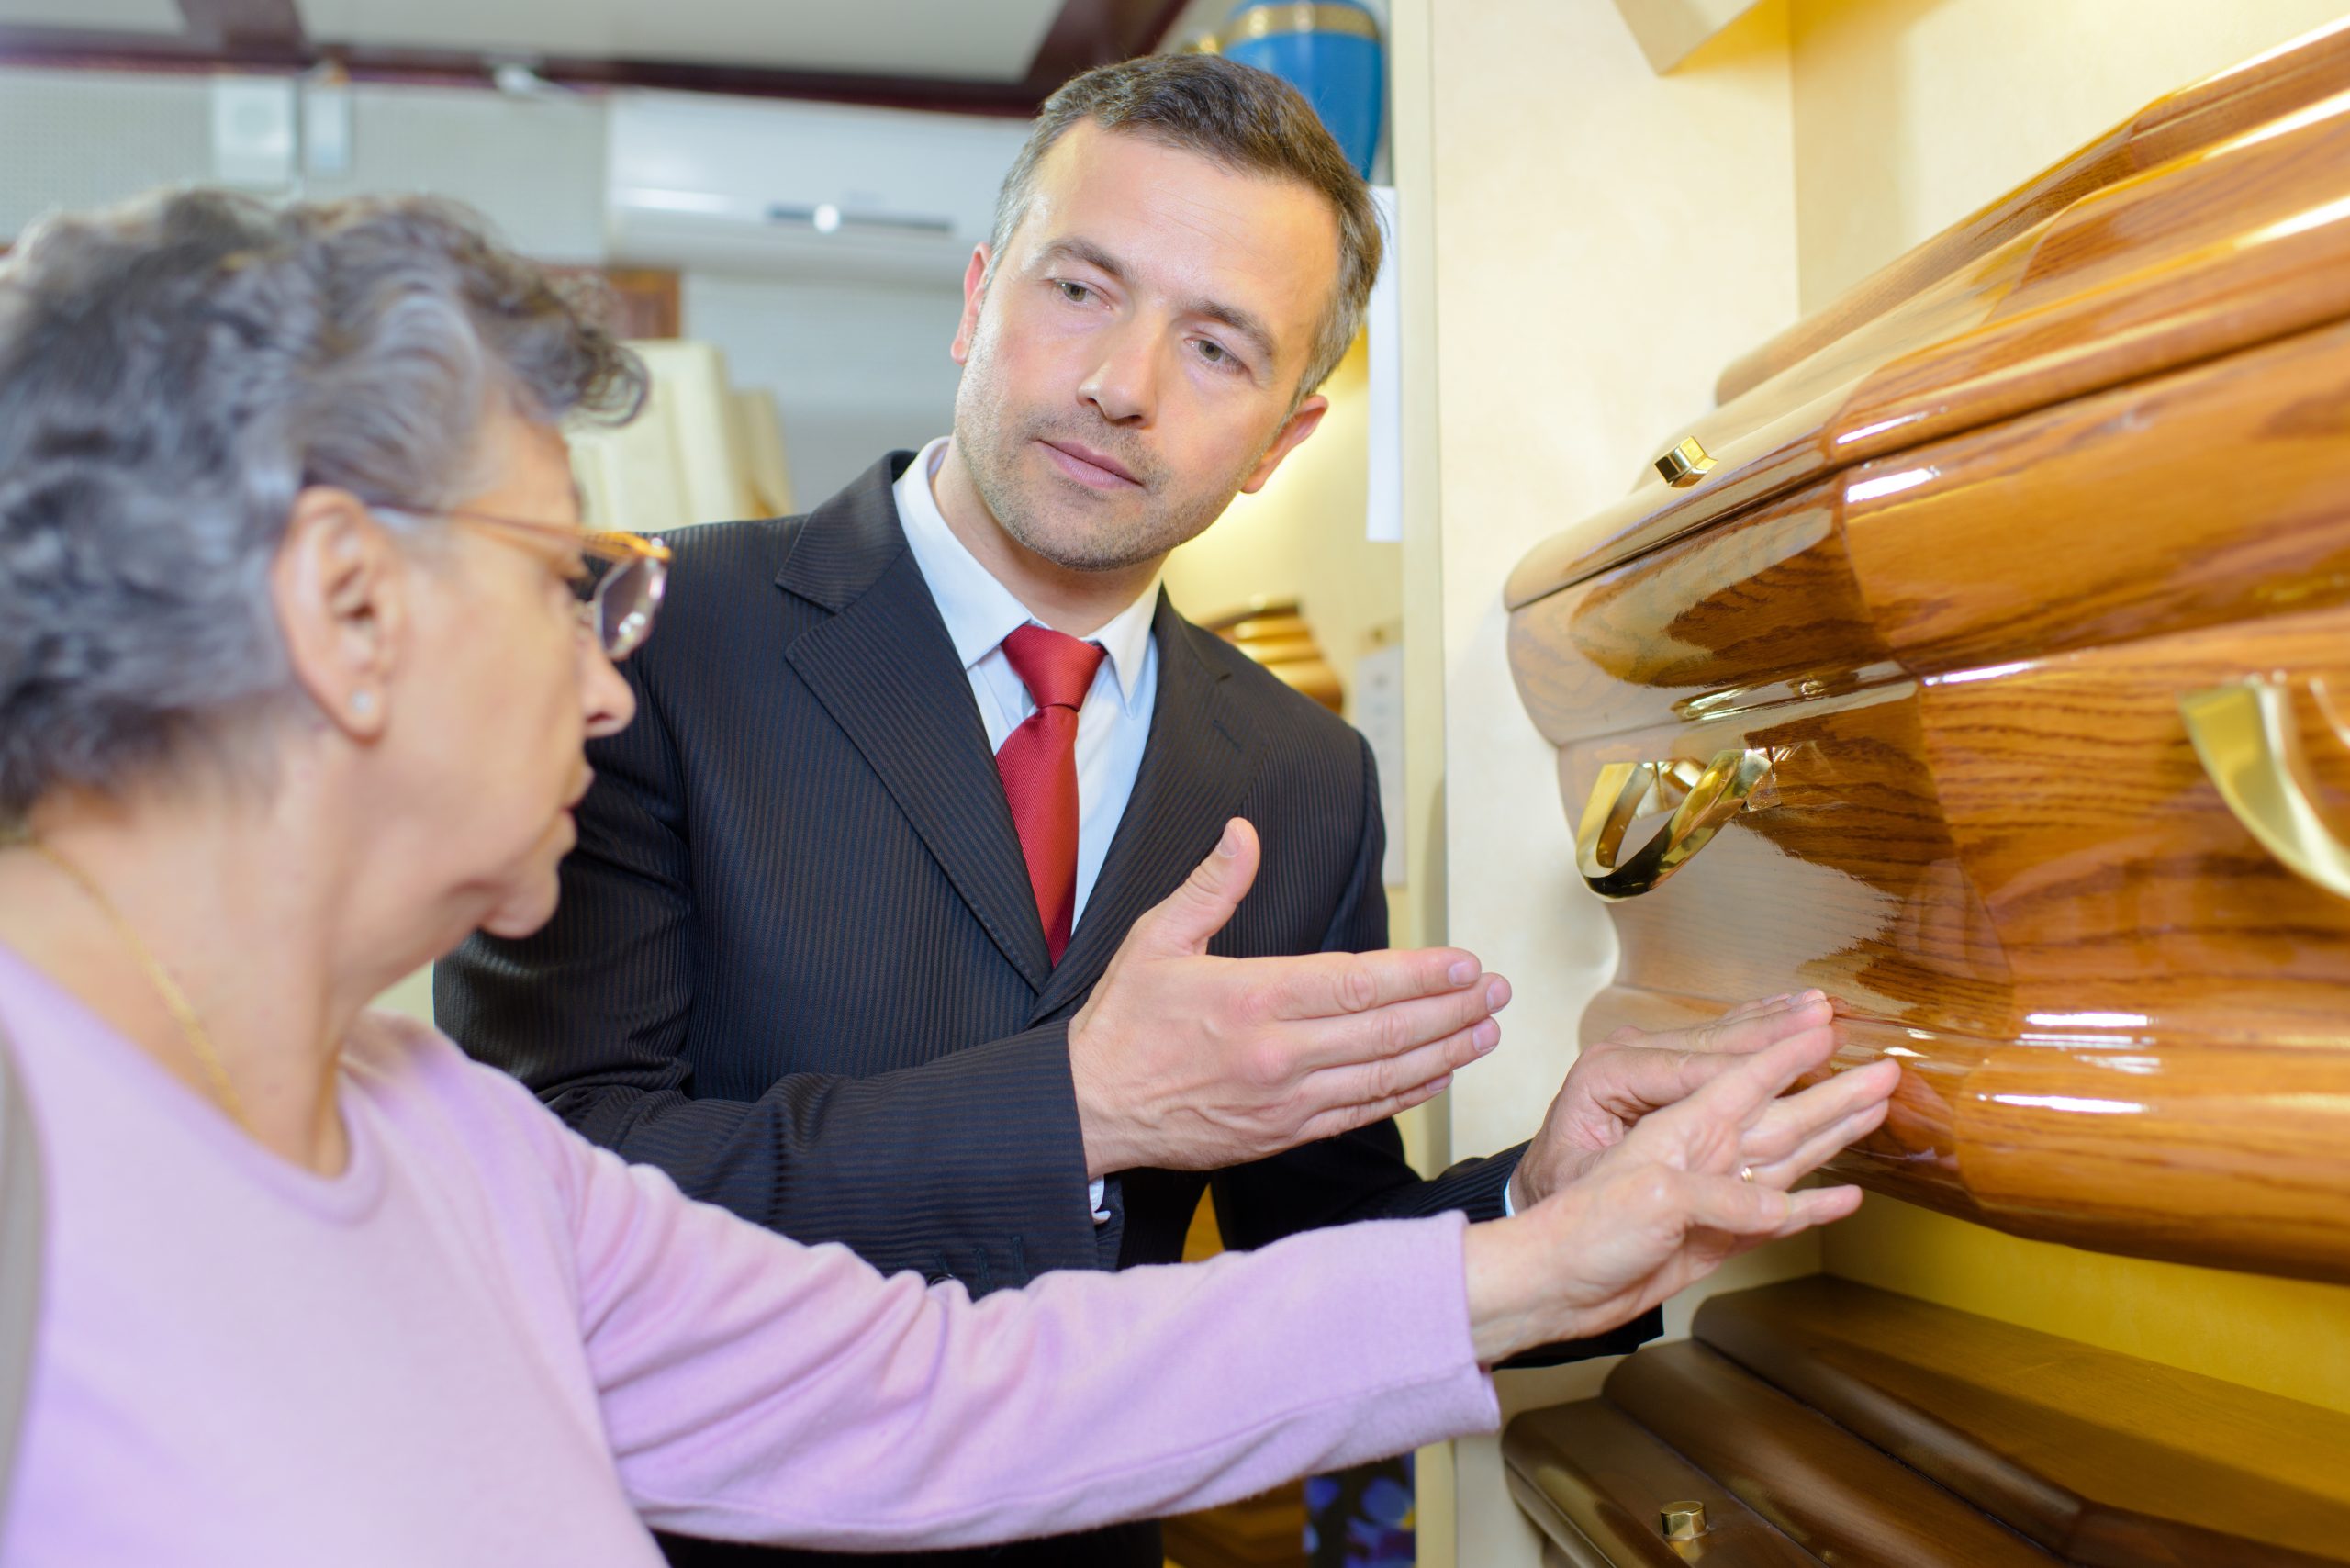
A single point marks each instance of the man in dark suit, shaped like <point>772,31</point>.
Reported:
<point>879,930</point>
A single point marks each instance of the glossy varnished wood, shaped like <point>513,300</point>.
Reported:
<point>1955,572</point>
<point>1840,1499</point>
<point>2102,1458</point>
<point>2231,247</point>
<point>2194,118</point>
<point>1865,1428</point>
<point>2086,523</point>
<point>1593,1480</point>
<point>2124,1021</point>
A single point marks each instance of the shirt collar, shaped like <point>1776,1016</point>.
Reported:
<point>980,611</point>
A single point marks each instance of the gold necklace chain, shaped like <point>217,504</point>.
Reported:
<point>216,1072</point>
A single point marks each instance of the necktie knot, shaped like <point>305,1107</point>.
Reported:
<point>1057,668</point>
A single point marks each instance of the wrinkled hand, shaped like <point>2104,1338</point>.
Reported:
<point>1664,1207</point>
<point>1633,1072</point>
<point>1189,1062</point>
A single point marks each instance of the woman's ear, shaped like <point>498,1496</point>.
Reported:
<point>340,586</point>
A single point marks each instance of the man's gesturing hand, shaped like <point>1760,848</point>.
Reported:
<point>1189,1062</point>
<point>1632,1072</point>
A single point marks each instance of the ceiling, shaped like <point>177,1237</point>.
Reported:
<point>1003,55</point>
<point>111,16</point>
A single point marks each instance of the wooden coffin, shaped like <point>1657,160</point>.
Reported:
<point>1821,1422</point>
<point>1984,659</point>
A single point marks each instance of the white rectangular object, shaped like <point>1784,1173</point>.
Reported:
<point>252,132</point>
<point>326,130</point>
<point>1383,325</point>
<point>1379,714</point>
<point>819,190</point>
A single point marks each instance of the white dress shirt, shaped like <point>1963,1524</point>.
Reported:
<point>1111,726</point>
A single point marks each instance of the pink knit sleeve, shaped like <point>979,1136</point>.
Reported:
<point>756,1389</point>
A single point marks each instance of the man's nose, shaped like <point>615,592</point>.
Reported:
<point>1123,384</point>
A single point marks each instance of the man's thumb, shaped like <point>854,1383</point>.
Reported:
<point>1186,918</point>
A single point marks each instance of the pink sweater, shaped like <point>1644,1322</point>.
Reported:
<point>488,1342</point>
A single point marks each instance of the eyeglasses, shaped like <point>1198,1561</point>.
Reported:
<point>620,592</point>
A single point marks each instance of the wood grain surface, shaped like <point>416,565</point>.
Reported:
<point>1593,1481</point>
<point>1824,1422</point>
<point>2231,246</point>
<point>2105,1458</point>
<point>1838,1498</point>
<point>2196,117</point>
<point>1956,571</point>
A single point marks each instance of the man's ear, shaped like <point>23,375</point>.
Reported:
<point>975,290</point>
<point>1301,425</point>
<point>340,586</point>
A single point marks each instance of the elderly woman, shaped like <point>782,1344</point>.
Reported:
<point>297,651</point>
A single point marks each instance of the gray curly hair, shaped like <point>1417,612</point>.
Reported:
<point>173,373</point>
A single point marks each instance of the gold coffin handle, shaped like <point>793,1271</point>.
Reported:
<point>2250,746</point>
<point>1703,799</point>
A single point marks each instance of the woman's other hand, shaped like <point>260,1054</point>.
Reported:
<point>1634,1072</point>
<point>1667,1204</point>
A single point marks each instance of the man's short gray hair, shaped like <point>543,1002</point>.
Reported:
<point>173,373</point>
<point>1233,114</point>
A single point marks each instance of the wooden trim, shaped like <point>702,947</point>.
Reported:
<point>1869,1427</point>
<point>73,49</point>
<point>1089,33</point>
<point>2104,1457</point>
<point>265,35</point>
<point>252,23</point>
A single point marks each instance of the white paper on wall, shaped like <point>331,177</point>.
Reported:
<point>252,132</point>
<point>1383,324</point>
<point>1379,714</point>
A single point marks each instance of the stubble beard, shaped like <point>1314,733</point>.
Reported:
<point>1051,517</point>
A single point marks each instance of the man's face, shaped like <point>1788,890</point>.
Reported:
<point>1132,364</point>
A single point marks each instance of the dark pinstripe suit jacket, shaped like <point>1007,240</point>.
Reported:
<point>797,963</point>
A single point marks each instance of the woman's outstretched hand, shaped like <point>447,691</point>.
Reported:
<point>1632,1072</point>
<point>1666,1205</point>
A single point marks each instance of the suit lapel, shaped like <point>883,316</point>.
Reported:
<point>1196,767</point>
<point>887,671</point>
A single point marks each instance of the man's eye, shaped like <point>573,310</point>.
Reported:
<point>1075,293</point>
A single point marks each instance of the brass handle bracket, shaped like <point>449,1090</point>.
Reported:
<point>1703,799</point>
<point>2246,736</point>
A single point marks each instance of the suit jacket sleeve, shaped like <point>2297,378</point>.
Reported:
<point>1363,1174</point>
<point>591,1013</point>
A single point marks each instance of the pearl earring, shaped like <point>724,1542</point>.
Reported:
<point>363,703</point>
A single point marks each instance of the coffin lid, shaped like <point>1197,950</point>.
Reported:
<point>2167,241</point>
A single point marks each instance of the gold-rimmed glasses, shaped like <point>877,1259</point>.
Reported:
<point>620,588</point>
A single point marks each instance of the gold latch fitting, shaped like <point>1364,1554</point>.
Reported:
<point>1682,1521</point>
<point>1685,463</point>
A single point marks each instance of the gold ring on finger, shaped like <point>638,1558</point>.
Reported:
<point>1746,1174</point>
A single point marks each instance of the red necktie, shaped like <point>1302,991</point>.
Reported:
<point>1039,767</point>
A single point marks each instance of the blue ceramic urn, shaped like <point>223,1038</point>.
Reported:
<point>1328,50</point>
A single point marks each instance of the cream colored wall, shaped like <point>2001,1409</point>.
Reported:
<point>1594,241</point>
<point>1911,114</point>
<point>1301,537</point>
